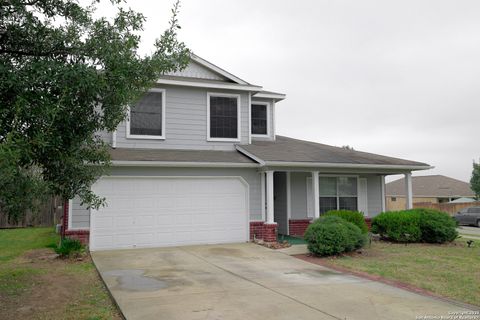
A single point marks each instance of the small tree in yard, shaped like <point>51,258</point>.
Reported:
<point>475,180</point>
<point>64,76</point>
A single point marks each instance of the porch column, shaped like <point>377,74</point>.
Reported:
<point>262,185</point>
<point>270,197</point>
<point>316,195</point>
<point>383,193</point>
<point>408,191</point>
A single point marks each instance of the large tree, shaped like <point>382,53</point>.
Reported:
<point>66,75</point>
<point>475,180</point>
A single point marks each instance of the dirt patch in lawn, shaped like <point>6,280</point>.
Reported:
<point>38,285</point>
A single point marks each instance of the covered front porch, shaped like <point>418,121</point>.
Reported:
<point>293,197</point>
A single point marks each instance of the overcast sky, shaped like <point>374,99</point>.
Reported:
<point>399,78</point>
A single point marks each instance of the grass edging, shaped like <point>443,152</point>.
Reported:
<point>120,312</point>
<point>377,278</point>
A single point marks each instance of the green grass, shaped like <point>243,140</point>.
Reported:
<point>450,270</point>
<point>15,242</point>
<point>22,275</point>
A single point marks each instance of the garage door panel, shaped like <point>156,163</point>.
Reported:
<point>148,212</point>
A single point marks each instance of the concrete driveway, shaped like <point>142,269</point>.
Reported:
<point>247,281</point>
<point>467,231</point>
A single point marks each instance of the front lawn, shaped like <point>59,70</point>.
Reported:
<point>449,270</point>
<point>35,285</point>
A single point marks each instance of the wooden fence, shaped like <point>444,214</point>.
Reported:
<point>49,214</point>
<point>450,208</point>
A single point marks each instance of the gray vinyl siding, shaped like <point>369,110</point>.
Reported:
<point>81,218</point>
<point>298,194</point>
<point>186,122</point>
<point>80,215</point>
<point>195,70</point>
<point>374,195</point>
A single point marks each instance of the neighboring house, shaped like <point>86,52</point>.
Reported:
<point>427,189</point>
<point>198,161</point>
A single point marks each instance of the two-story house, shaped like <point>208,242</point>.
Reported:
<point>198,161</point>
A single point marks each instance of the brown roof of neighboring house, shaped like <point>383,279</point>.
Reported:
<point>431,186</point>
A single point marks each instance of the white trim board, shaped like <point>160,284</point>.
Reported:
<point>148,137</point>
<point>239,125</point>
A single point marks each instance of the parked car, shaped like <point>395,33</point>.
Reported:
<point>468,216</point>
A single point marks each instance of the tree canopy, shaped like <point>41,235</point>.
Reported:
<point>66,75</point>
<point>475,180</point>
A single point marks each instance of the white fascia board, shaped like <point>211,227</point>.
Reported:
<point>200,84</point>
<point>345,165</point>
<point>250,155</point>
<point>218,70</point>
<point>124,163</point>
<point>276,96</point>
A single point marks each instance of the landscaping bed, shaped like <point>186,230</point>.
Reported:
<point>448,270</point>
<point>36,284</point>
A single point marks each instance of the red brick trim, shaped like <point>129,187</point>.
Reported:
<point>82,235</point>
<point>297,227</point>
<point>260,230</point>
<point>368,221</point>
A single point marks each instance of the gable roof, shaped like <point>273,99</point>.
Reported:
<point>430,186</point>
<point>286,151</point>
<point>202,73</point>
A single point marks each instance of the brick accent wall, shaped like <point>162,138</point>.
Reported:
<point>368,221</point>
<point>298,227</point>
<point>261,230</point>
<point>82,235</point>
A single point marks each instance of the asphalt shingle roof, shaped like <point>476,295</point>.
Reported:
<point>169,155</point>
<point>431,186</point>
<point>285,149</point>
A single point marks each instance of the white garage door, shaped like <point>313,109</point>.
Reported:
<point>154,212</point>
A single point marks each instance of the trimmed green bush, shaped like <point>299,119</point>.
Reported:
<point>415,225</point>
<point>69,248</point>
<point>437,226</point>
<point>354,217</point>
<point>332,235</point>
<point>399,226</point>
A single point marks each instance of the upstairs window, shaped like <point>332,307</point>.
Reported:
<point>259,119</point>
<point>147,116</point>
<point>223,117</point>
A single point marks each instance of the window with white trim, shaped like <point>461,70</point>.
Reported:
<point>259,119</point>
<point>223,117</point>
<point>146,118</point>
<point>338,193</point>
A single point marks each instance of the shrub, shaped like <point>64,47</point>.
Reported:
<point>332,235</point>
<point>69,248</point>
<point>437,226</point>
<point>416,225</point>
<point>401,226</point>
<point>354,217</point>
